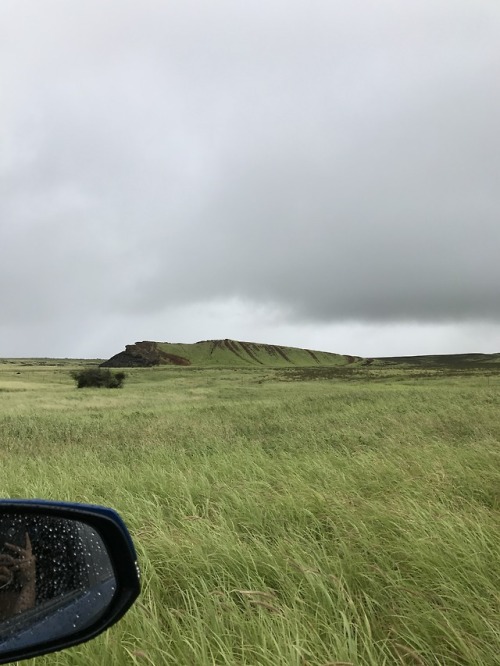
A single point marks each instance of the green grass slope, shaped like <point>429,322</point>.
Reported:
<point>223,353</point>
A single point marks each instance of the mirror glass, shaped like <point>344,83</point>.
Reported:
<point>56,579</point>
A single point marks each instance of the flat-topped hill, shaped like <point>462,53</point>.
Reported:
<point>222,353</point>
<point>234,353</point>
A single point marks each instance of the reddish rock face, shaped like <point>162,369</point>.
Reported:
<point>143,355</point>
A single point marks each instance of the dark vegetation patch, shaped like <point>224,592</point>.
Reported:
<point>450,361</point>
<point>98,378</point>
<point>49,362</point>
<point>323,372</point>
<point>382,374</point>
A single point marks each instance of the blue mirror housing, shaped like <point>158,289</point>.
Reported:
<point>67,573</point>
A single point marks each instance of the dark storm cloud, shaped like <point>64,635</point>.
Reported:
<point>337,160</point>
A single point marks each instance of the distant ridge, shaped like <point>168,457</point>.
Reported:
<point>224,353</point>
<point>235,353</point>
<point>458,361</point>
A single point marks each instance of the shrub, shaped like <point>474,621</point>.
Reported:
<point>98,378</point>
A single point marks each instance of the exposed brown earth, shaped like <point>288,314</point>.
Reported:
<point>311,353</point>
<point>232,346</point>
<point>278,350</point>
<point>143,355</point>
<point>247,346</point>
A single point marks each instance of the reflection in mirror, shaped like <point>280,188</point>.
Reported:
<point>56,579</point>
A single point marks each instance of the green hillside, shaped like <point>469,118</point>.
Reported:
<point>223,353</point>
<point>233,353</point>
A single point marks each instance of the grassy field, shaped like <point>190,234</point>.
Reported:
<point>282,517</point>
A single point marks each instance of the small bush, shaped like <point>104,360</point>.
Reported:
<point>98,378</point>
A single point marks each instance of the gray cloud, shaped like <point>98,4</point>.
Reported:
<point>337,161</point>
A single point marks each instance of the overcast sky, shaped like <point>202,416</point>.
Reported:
<point>319,173</point>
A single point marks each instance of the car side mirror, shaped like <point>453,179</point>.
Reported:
<point>67,573</point>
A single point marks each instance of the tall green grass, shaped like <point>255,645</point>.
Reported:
<point>277,522</point>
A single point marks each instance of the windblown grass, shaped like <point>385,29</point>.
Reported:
<point>279,522</point>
